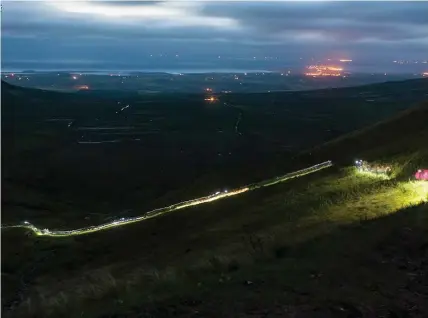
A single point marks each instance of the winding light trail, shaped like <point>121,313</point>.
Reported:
<point>177,206</point>
<point>238,120</point>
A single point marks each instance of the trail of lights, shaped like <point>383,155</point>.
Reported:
<point>238,120</point>
<point>181,205</point>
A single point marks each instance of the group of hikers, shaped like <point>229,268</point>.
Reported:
<point>374,168</point>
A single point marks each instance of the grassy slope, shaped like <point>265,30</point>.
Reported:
<point>407,130</point>
<point>305,248</point>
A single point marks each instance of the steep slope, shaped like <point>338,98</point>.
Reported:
<point>401,135</point>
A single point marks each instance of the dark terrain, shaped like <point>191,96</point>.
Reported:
<point>331,244</point>
<point>166,148</point>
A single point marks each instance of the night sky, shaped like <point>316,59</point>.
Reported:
<point>208,35</point>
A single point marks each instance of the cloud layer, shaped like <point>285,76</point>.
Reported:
<point>86,29</point>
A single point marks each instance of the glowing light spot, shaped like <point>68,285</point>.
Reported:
<point>374,170</point>
<point>323,70</point>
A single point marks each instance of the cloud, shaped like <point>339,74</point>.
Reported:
<point>213,28</point>
<point>158,14</point>
<point>341,21</point>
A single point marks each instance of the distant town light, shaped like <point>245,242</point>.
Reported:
<point>211,99</point>
<point>83,87</point>
<point>323,70</point>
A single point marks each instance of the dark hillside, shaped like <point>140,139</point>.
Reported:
<point>336,243</point>
<point>405,132</point>
<point>85,148</point>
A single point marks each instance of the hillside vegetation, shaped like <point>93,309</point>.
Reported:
<point>408,131</point>
<point>336,243</point>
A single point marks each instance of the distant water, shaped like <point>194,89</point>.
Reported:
<point>128,72</point>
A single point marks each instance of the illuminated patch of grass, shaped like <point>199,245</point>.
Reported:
<point>370,174</point>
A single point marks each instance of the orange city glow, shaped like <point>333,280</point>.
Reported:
<point>82,87</point>
<point>210,99</point>
<point>324,70</point>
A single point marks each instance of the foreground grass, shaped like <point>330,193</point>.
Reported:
<point>370,268</point>
<point>223,244</point>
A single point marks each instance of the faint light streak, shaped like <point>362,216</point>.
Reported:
<point>82,87</point>
<point>211,99</point>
